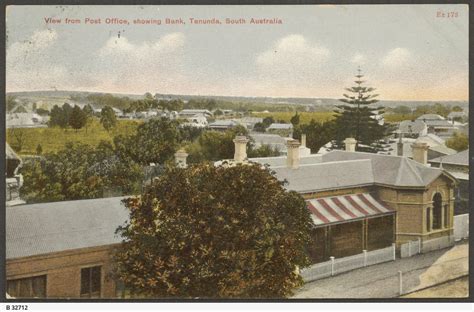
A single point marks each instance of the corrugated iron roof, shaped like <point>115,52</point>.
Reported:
<point>52,227</point>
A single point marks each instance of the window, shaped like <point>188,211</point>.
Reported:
<point>31,287</point>
<point>90,282</point>
<point>437,211</point>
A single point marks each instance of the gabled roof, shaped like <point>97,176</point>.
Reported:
<point>53,227</point>
<point>430,117</point>
<point>415,126</point>
<point>461,158</point>
<point>278,126</point>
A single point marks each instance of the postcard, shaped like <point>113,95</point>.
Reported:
<point>237,152</point>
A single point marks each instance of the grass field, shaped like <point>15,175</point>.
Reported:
<point>54,139</point>
<point>305,117</point>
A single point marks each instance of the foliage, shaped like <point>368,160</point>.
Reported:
<point>214,232</point>
<point>10,103</point>
<point>59,116</point>
<point>155,141</point>
<point>42,112</point>
<point>78,118</point>
<point>17,138</point>
<point>295,120</point>
<point>356,118</point>
<point>459,142</point>
<point>39,149</point>
<point>78,171</point>
<point>263,151</point>
<point>259,127</point>
<point>318,134</point>
<point>305,117</point>
<point>107,118</point>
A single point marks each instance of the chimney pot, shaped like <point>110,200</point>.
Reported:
<point>420,152</point>
<point>293,156</point>
<point>350,144</point>
<point>303,140</point>
<point>240,153</point>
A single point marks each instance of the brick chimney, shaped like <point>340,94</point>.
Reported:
<point>293,154</point>
<point>240,153</point>
<point>350,144</point>
<point>180,158</point>
<point>420,152</point>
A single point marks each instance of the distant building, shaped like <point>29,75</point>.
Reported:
<point>197,121</point>
<point>282,129</point>
<point>186,113</point>
<point>438,125</point>
<point>223,124</point>
<point>458,117</point>
<point>412,129</point>
<point>25,120</point>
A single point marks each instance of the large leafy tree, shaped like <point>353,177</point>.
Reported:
<point>155,141</point>
<point>108,118</point>
<point>78,171</point>
<point>356,118</point>
<point>214,232</point>
<point>78,118</point>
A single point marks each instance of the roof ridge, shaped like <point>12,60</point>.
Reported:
<point>414,169</point>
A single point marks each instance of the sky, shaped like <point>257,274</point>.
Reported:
<point>406,52</point>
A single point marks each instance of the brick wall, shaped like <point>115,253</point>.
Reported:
<point>63,270</point>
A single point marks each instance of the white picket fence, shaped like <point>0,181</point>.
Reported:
<point>437,243</point>
<point>411,248</point>
<point>341,265</point>
<point>461,227</point>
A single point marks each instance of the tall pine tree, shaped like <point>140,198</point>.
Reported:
<point>357,118</point>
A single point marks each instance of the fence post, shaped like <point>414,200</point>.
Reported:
<point>409,248</point>
<point>394,249</point>
<point>419,245</point>
<point>400,283</point>
<point>332,265</point>
<point>365,257</point>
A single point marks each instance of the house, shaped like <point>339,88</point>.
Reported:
<point>436,146</point>
<point>63,249</point>
<point>363,201</point>
<point>25,120</point>
<point>185,113</point>
<point>223,124</point>
<point>249,122</point>
<point>458,116</point>
<point>275,141</point>
<point>412,128</point>
<point>458,166</point>
<point>438,125</point>
<point>280,128</point>
<point>198,121</point>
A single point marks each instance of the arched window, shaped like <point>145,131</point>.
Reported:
<point>437,211</point>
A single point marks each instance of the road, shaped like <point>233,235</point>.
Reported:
<point>381,281</point>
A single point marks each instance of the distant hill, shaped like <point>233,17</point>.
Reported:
<point>62,95</point>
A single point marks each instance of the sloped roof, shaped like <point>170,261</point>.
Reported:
<point>391,170</point>
<point>430,117</point>
<point>408,126</point>
<point>325,176</point>
<point>280,161</point>
<point>278,126</point>
<point>461,158</point>
<point>52,227</point>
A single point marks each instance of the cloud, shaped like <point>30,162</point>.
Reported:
<point>148,65</point>
<point>292,54</point>
<point>396,58</point>
<point>31,66</point>
<point>359,59</point>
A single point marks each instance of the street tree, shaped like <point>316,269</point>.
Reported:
<point>214,232</point>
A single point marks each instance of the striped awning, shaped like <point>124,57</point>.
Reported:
<point>344,208</point>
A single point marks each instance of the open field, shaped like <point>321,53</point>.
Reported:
<point>305,117</point>
<point>54,139</point>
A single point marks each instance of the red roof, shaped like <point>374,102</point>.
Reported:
<point>345,208</point>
